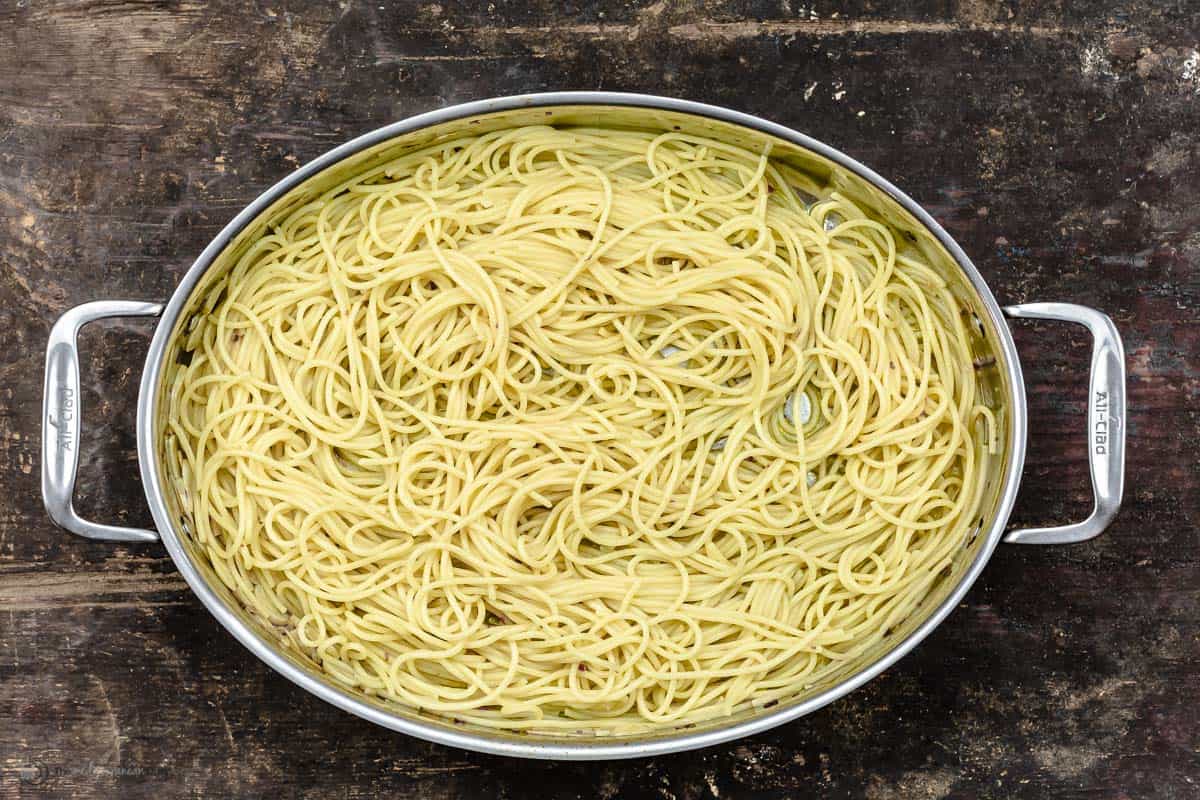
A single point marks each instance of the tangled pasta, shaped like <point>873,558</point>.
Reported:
<point>565,428</point>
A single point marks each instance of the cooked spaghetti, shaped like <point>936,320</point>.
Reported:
<point>557,429</point>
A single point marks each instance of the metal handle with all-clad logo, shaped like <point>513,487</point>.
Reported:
<point>1106,422</point>
<point>61,411</point>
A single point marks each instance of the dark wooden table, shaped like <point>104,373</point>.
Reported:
<point>1060,147</point>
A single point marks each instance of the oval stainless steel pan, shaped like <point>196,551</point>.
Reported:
<point>999,375</point>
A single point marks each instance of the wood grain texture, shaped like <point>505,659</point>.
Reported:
<point>1057,143</point>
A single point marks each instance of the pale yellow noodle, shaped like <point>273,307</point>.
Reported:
<point>497,431</point>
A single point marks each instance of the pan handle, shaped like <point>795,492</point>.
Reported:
<point>62,411</point>
<point>1106,422</point>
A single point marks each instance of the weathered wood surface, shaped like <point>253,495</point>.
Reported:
<point>1060,147</point>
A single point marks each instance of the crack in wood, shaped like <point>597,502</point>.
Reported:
<point>34,591</point>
